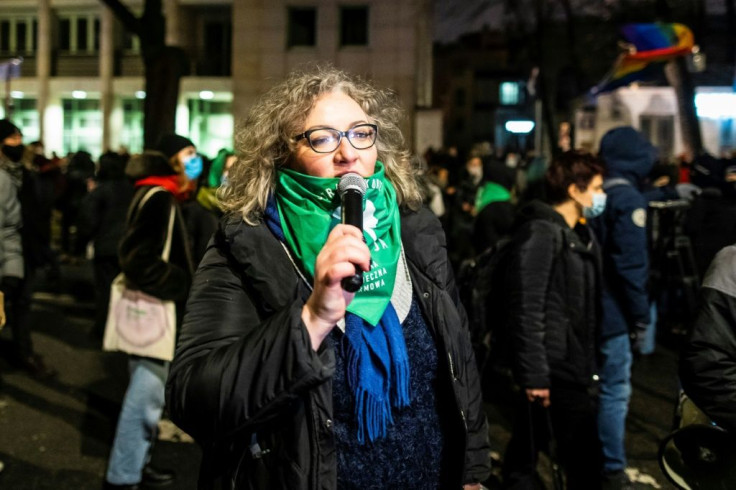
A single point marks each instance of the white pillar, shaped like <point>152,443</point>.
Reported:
<point>107,67</point>
<point>43,62</point>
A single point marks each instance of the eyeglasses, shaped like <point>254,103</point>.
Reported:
<point>327,140</point>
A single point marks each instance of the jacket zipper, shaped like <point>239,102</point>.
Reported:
<point>454,380</point>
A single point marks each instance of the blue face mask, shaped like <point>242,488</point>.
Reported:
<point>599,205</point>
<point>193,167</point>
<point>224,181</point>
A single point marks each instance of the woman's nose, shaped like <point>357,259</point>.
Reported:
<point>345,150</point>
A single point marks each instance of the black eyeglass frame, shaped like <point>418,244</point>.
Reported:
<point>340,134</point>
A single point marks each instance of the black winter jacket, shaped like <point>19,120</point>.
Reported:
<point>247,385</point>
<point>143,243</point>
<point>708,360</point>
<point>553,288</point>
<point>102,216</point>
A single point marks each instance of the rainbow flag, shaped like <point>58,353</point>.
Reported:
<point>650,46</point>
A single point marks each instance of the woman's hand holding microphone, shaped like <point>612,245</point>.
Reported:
<point>343,251</point>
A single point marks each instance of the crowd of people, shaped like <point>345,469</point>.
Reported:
<point>288,379</point>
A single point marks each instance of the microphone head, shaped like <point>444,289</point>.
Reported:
<point>351,181</point>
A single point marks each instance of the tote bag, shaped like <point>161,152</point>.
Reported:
<point>138,323</point>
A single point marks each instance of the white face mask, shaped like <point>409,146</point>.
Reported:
<point>598,206</point>
<point>475,173</point>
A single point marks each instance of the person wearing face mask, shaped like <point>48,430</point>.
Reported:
<point>552,283</point>
<point>217,177</point>
<point>463,210</point>
<point>200,222</point>
<point>622,232</point>
<point>160,185</point>
<point>17,277</point>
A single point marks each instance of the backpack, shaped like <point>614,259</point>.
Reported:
<point>481,286</point>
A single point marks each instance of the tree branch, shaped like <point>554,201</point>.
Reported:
<point>129,21</point>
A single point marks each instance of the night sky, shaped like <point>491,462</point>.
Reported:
<point>456,17</point>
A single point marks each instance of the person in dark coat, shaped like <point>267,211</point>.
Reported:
<point>553,297</point>
<point>217,176</point>
<point>622,233</point>
<point>494,214</point>
<point>18,287</point>
<point>79,171</point>
<point>708,360</point>
<point>140,258</point>
<point>289,381</point>
<point>201,223</point>
<point>102,220</point>
<point>462,211</point>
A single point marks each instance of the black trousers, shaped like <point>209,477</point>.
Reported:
<point>105,269</point>
<point>571,417</point>
<point>17,308</point>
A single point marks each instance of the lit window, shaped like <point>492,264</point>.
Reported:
<point>509,93</point>
<point>210,125</point>
<point>82,126</point>
<point>131,135</point>
<point>354,26</point>
<point>302,27</point>
<point>25,115</point>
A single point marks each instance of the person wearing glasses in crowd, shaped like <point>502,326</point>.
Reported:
<point>286,379</point>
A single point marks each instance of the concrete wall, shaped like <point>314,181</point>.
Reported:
<point>398,40</point>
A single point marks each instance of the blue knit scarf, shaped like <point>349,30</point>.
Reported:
<point>377,363</point>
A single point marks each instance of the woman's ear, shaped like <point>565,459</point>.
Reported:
<point>573,192</point>
<point>175,164</point>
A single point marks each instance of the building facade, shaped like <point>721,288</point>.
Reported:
<point>82,77</point>
<point>479,90</point>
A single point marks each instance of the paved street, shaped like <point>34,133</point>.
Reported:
<point>57,434</point>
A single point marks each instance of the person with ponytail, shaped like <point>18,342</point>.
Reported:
<point>286,379</point>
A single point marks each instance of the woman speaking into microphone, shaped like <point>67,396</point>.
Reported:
<point>288,377</point>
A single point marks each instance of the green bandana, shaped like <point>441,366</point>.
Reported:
<point>309,208</point>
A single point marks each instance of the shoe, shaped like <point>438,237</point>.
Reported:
<point>617,480</point>
<point>35,366</point>
<point>110,486</point>
<point>157,477</point>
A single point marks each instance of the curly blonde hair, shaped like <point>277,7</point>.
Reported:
<point>266,143</point>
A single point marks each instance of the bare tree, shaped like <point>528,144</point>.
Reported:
<point>164,66</point>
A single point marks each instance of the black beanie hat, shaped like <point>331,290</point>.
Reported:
<point>171,144</point>
<point>7,128</point>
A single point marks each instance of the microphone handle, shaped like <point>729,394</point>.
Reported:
<point>352,214</point>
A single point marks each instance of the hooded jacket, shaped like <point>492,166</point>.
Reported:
<point>246,384</point>
<point>622,231</point>
<point>553,297</point>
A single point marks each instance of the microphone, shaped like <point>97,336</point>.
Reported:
<point>351,189</point>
